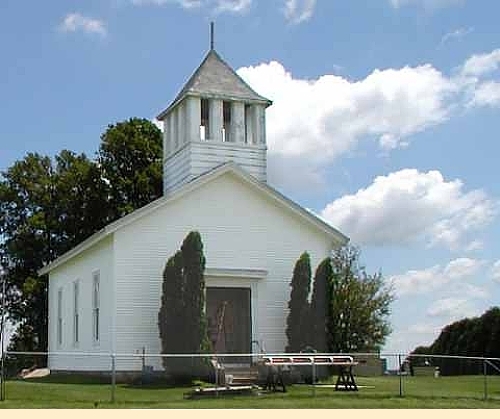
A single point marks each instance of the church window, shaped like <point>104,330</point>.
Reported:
<point>95,305</point>
<point>76,314</point>
<point>204,127</point>
<point>226,121</point>
<point>59,316</point>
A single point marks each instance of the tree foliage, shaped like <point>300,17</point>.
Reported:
<point>349,309</point>
<point>49,205</point>
<point>477,336</point>
<point>360,305</point>
<point>130,156</point>
<point>297,324</point>
<point>181,319</point>
<point>46,207</point>
<point>320,306</point>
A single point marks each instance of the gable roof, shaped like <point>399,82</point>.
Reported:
<point>229,167</point>
<point>215,78</point>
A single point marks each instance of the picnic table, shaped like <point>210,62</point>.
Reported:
<point>345,364</point>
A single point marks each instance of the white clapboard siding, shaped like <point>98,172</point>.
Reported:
<point>81,269</point>
<point>240,228</point>
<point>199,157</point>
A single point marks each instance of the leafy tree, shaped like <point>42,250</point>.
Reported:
<point>130,156</point>
<point>46,208</point>
<point>320,306</point>
<point>181,319</point>
<point>79,200</point>
<point>478,336</point>
<point>298,325</point>
<point>360,305</point>
<point>26,224</point>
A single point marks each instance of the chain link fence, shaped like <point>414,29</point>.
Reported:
<point>375,375</point>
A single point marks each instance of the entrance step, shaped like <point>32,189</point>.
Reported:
<point>241,374</point>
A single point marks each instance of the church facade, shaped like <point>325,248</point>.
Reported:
<point>105,294</point>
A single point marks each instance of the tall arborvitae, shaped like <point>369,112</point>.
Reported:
<point>320,306</point>
<point>181,319</point>
<point>170,317</point>
<point>194,291</point>
<point>298,325</point>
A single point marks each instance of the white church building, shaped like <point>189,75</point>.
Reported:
<point>105,294</point>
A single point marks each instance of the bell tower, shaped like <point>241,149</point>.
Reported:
<point>216,118</point>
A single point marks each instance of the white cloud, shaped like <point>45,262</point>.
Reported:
<point>452,309</point>
<point>74,22</point>
<point>333,114</point>
<point>456,35</point>
<point>461,268</point>
<point>487,94</point>
<point>186,4</point>
<point>474,245</point>
<point>233,6</point>
<point>298,11</point>
<point>428,4</point>
<point>454,276</point>
<point>495,271</point>
<point>219,6</point>
<point>408,205</point>
<point>481,64</point>
<point>417,281</point>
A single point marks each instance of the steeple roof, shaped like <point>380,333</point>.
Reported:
<point>215,78</point>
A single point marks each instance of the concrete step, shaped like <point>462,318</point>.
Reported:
<point>241,374</point>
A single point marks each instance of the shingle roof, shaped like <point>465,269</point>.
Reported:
<point>215,78</point>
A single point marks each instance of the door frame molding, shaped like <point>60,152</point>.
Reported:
<point>239,278</point>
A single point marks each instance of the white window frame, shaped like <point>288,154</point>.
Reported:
<point>76,312</point>
<point>59,324</point>
<point>96,297</point>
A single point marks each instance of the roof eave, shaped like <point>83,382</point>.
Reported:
<point>164,113</point>
<point>339,237</point>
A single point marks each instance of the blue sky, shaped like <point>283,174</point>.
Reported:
<point>385,117</point>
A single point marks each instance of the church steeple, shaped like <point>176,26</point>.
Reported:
<point>215,118</point>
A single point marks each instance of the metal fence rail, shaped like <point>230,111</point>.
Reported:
<point>376,373</point>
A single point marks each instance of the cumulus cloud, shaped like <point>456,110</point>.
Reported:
<point>333,114</point>
<point>487,94</point>
<point>455,274</point>
<point>481,64</point>
<point>233,6</point>
<point>298,11</point>
<point>455,35</point>
<point>495,271</point>
<point>408,205</point>
<point>428,4</point>
<point>219,6</point>
<point>452,309</point>
<point>75,22</point>
<point>186,4</point>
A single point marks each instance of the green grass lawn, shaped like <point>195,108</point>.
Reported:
<point>375,392</point>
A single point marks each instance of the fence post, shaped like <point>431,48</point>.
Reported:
<point>2,343</point>
<point>400,376</point>
<point>485,367</point>
<point>217,377</point>
<point>113,377</point>
<point>2,376</point>
<point>314,377</point>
